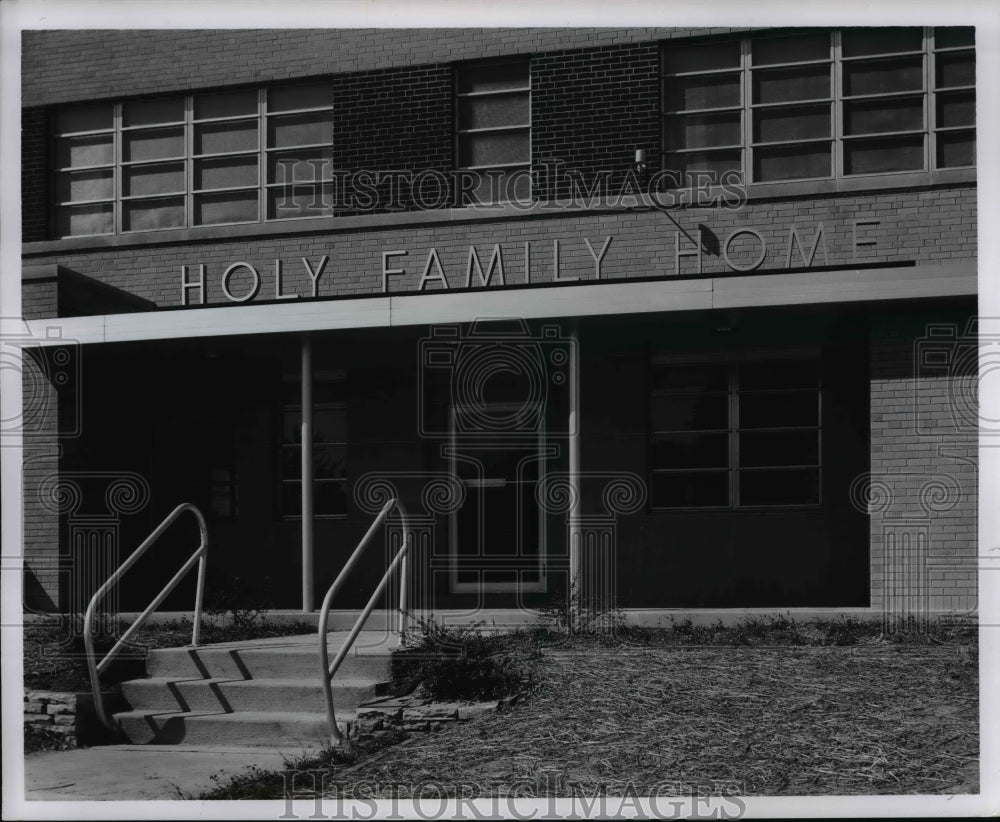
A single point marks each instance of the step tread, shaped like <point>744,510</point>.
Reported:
<point>334,638</point>
<point>266,682</point>
<point>235,716</point>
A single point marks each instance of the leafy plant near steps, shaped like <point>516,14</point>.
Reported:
<point>463,662</point>
<point>244,602</point>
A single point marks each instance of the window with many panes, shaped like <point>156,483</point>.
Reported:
<point>329,448</point>
<point>820,104</point>
<point>197,160</point>
<point>493,129</point>
<point>738,434</point>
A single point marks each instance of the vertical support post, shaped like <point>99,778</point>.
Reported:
<point>575,547</point>
<point>307,476</point>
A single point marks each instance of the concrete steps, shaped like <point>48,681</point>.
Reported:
<point>259,693</point>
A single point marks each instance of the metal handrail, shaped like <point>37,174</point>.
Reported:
<point>328,669</point>
<point>88,640</point>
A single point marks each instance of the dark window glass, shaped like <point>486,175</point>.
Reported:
<point>779,487</point>
<point>762,374</point>
<point>861,42</point>
<point>226,207</point>
<point>771,448</point>
<point>884,115</point>
<point>702,57</point>
<point>790,85</point>
<point>219,138</point>
<point>329,499</point>
<point>226,172</point>
<point>495,110</point>
<point>153,144</point>
<point>767,50</point>
<point>957,108</point>
<point>96,150</point>
<point>228,104</point>
<point>492,77</point>
<point>690,412</point>
<point>152,215</point>
<point>715,163</point>
<point>793,123</point>
<point>683,377</point>
<point>956,150</point>
<point>704,91</point>
<point>703,130</point>
<point>153,112</point>
<point>161,178</point>
<point>773,163</point>
<point>777,409</point>
<point>689,489</point>
<point>299,96</point>
<point>74,221</point>
<point>299,200</point>
<point>955,70</point>
<point>691,451</point>
<point>884,76</point>
<point>952,36</point>
<point>85,185</point>
<point>884,155</point>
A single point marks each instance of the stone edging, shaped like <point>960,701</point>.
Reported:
<point>70,715</point>
<point>416,713</point>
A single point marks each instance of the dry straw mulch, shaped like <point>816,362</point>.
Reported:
<point>752,721</point>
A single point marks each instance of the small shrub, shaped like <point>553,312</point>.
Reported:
<point>462,662</point>
<point>572,615</point>
<point>244,602</point>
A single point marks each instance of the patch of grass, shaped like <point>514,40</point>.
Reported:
<point>41,739</point>
<point>302,775</point>
<point>463,662</point>
<point>766,630</point>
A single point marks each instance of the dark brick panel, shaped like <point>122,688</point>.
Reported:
<point>396,119</point>
<point>591,109</point>
<point>34,175</point>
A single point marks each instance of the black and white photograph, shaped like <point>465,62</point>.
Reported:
<point>456,411</point>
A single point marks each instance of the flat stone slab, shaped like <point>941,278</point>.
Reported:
<point>116,772</point>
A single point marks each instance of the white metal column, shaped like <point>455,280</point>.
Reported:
<point>575,547</point>
<point>307,476</point>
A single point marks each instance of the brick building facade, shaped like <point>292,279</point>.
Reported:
<point>715,287</point>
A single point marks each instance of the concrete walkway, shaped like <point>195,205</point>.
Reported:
<point>144,771</point>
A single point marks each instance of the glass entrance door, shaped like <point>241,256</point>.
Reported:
<point>497,536</point>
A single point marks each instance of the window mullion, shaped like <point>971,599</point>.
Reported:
<point>838,108</point>
<point>262,190</point>
<point>930,96</point>
<point>118,173</point>
<point>746,152</point>
<point>188,161</point>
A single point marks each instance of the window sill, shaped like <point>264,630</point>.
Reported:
<point>500,212</point>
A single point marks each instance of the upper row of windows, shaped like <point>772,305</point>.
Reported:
<point>805,106</point>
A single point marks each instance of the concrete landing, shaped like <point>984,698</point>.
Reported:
<point>134,772</point>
